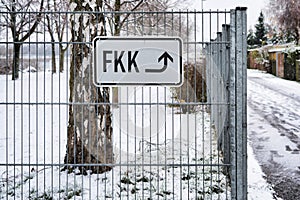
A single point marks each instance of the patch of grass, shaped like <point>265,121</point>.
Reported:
<point>73,193</point>
<point>126,180</point>
<point>143,179</point>
<point>167,192</point>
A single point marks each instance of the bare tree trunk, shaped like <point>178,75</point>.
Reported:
<point>89,138</point>
<point>50,27</point>
<point>297,36</point>
<point>17,46</point>
<point>16,60</point>
<point>62,52</point>
<point>53,55</point>
<point>19,34</point>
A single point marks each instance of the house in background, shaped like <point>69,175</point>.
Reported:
<point>280,60</point>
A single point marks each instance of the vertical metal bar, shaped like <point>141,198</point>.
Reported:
<point>22,123</point>
<point>127,135</point>
<point>150,125</point>
<point>14,128</point>
<point>173,133</point>
<point>135,124</point>
<point>218,88</point>
<point>6,110</point>
<point>36,115</point>
<point>29,120</point>
<point>227,157</point>
<point>220,100</point>
<point>44,110</point>
<point>143,122</point>
<point>120,131</point>
<point>89,116</point>
<point>157,137</point>
<point>52,128</point>
<point>226,146</point>
<point>82,107</point>
<point>188,100</point>
<point>195,100</point>
<point>180,120</point>
<point>205,68</point>
<point>244,101</point>
<point>59,104</point>
<point>143,135</point>
<point>211,82</point>
<point>74,110</point>
<point>232,101</point>
<point>135,139</point>
<point>227,142</point>
<point>165,117</point>
<point>238,108</point>
<point>241,102</point>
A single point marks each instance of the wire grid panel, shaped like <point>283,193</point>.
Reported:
<point>63,138</point>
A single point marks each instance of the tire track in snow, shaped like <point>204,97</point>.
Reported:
<point>262,83</point>
<point>281,115</point>
<point>275,127</point>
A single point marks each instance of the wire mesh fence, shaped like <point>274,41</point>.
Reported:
<point>65,138</point>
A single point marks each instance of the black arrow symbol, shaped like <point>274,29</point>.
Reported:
<point>164,56</point>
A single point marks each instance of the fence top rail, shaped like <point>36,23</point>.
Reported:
<point>121,12</point>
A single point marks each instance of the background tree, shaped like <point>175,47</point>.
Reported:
<point>22,25</point>
<point>61,27</point>
<point>56,24</point>
<point>251,38</point>
<point>116,22</point>
<point>285,14</point>
<point>260,31</point>
<point>49,25</point>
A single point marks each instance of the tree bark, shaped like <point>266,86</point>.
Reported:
<point>297,36</point>
<point>16,60</point>
<point>89,138</point>
<point>53,55</point>
<point>50,27</point>
<point>62,52</point>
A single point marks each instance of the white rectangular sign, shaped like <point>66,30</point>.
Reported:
<point>138,61</point>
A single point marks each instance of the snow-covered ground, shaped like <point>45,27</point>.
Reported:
<point>274,130</point>
<point>36,133</point>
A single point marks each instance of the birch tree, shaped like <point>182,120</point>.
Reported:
<point>89,129</point>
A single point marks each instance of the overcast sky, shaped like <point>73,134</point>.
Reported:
<point>254,7</point>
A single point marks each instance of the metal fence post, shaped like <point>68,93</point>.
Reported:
<point>238,114</point>
<point>227,155</point>
<point>225,142</point>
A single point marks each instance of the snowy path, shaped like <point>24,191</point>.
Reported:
<point>274,130</point>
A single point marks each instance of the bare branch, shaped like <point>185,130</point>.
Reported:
<point>134,8</point>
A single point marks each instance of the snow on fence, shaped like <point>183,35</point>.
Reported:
<point>63,138</point>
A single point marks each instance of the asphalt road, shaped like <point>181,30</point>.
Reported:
<point>274,131</point>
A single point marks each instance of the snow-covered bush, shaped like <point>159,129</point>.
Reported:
<point>193,88</point>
